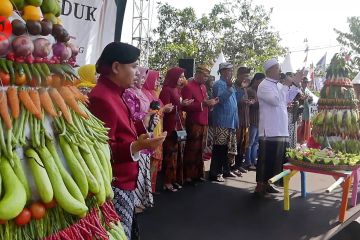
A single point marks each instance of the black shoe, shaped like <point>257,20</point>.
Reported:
<point>252,168</point>
<point>190,183</point>
<point>272,189</point>
<point>200,180</point>
<point>230,174</point>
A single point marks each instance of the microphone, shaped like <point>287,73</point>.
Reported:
<point>154,107</point>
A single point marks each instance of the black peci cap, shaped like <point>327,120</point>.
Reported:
<point>117,52</point>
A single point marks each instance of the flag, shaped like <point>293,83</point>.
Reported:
<point>307,53</point>
<point>321,63</point>
<point>312,76</point>
<point>305,60</point>
<point>312,72</point>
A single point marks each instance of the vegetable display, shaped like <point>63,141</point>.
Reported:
<point>55,161</point>
<point>337,123</point>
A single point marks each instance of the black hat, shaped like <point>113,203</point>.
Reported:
<point>258,76</point>
<point>243,70</point>
<point>117,52</point>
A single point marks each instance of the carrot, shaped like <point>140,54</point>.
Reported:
<point>34,95</point>
<point>13,100</point>
<point>60,103</point>
<point>47,103</point>
<point>70,100</point>
<point>28,103</point>
<point>4,113</point>
<point>79,95</point>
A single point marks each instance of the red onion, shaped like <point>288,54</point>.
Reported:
<point>4,46</point>
<point>62,51</point>
<point>42,48</point>
<point>22,46</point>
<point>74,49</point>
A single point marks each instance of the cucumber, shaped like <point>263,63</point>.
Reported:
<point>106,149</point>
<point>103,160</point>
<point>62,195</point>
<point>3,65</point>
<point>19,171</point>
<point>19,69</point>
<point>90,161</point>
<point>115,234</point>
<point>14,199</point>
<point>93,184</point>
<point>77,172</point>
<point>111,237</point>
<point>10,66</point>
<point>45,69</point>
<point>70,70</point>
<point>56,69</point>
<point>68,180</point>
<point>36,74</point>
<point>27,72</point>
<point>40,71</point>
<point>40,176</point>
<point>107,183</point>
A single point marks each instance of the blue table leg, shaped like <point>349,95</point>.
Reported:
<point>303,185</point>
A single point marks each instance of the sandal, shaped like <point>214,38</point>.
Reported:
<point>177,186</point>
<point>169,188</point>
<point>220,178</point>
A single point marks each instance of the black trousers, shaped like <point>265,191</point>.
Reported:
<point>271,158</point>
<point>219,161</point>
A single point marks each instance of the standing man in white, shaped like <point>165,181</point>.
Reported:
<point>273,125</point>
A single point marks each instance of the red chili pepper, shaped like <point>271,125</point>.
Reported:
<point>84,229</point>
<point>10,56</point>
<point>30,59</point>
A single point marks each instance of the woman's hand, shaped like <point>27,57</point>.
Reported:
<point>187,102</point>
<point>145,142</point>
<point>168,108</point>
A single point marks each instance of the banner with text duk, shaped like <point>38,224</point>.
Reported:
<point>91,24</point>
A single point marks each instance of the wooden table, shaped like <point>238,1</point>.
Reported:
<point>344,177</point>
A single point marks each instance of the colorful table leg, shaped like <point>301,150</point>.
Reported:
<point>286,193</point>
<point>355,188</point>
<point>303,184</point>
<point>344,201</point>
<point>287,190</point>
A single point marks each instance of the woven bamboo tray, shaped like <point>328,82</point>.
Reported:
<point>326,167</point>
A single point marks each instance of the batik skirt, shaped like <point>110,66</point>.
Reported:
<point>124,205</point>
<point>195,142</point>
<point>143,192</point>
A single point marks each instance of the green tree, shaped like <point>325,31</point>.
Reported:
<point>239,28</point>
<point>351,44</point>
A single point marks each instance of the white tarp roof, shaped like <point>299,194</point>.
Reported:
<point>286,65</point>
<point>215,68</point>
<point>356,80</point>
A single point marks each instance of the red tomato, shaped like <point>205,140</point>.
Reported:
<point>32,83</point>
<point>4,78</point>
<point>37,210</point>
<point>51,204</point>
<point>3,222</point>
<point>24,217</point>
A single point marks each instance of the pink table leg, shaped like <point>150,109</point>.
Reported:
<point>355,188</point>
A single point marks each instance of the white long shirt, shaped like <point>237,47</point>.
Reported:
<point>273,115</point>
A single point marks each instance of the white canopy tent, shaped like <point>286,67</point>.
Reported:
<point>356,80</point>
<point>286,65</point>
<point>215,68</point>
